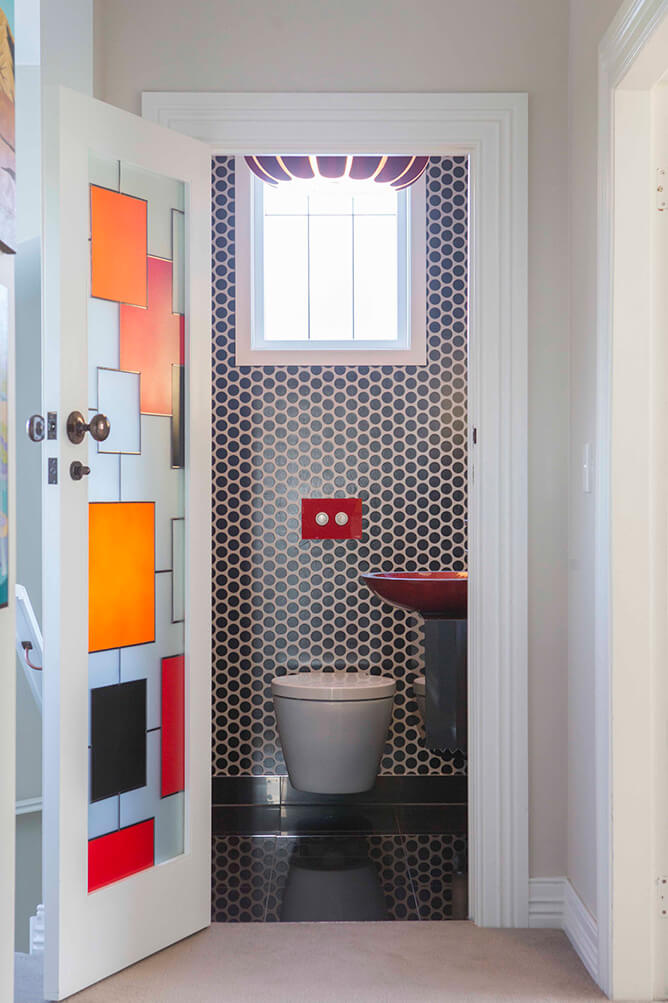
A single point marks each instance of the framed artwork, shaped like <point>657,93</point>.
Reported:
<point>4,446</point>
<point>7,144</point>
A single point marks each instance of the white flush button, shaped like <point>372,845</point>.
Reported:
<point>322,518</point>
<point>340,518</point>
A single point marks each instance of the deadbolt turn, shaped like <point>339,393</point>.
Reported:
<point>77,427</point>
<point>78,470</point>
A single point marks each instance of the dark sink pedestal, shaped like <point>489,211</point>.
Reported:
<point>445,643</point>
<point>441,598</point>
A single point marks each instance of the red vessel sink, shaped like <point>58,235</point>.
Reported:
<point>433,594</point>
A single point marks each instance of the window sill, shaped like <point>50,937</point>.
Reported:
<point>416,355</point>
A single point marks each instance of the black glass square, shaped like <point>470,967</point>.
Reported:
<point>118,731</point>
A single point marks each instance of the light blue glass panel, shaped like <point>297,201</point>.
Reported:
<point>178,258</point>
<point>169,827</point>
<point>150,477</point>
<point>178,572</point>
<point>118,399</point>
<point>104,481</point>
<point>103,172</point>
<point>104,334</point>
<point>162,194</point>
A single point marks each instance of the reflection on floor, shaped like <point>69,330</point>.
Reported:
<point>334,863</point>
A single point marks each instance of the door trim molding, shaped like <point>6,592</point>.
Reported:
<point>623,972</point>
<point>492,130</point>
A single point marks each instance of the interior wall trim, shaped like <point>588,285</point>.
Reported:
<point>554,904</point>
<point>492,130</point>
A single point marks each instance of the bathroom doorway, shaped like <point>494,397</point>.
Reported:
<point>266,423</point>
<point>397,438</point>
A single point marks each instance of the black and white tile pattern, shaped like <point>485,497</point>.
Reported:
<point>396,436</point>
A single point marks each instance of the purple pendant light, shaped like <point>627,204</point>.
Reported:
<point>399,172</point>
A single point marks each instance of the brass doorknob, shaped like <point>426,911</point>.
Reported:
<point>77,427</point>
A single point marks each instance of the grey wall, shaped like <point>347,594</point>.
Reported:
<point>429,45</point>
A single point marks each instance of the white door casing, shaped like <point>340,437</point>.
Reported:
<point>492,130</point>
<point>90,936</point>
<point>630,611</point>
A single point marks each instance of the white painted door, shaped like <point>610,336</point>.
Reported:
<point>126,694</point>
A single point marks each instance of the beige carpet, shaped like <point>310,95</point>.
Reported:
<point>355,963</point>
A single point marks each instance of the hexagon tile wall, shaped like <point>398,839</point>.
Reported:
<point>394,436</point>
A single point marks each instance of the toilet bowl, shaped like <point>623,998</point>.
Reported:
<point>418,691</point>
<point>332,728</point>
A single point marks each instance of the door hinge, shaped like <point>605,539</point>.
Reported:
<point>662,892</point>
<point>661,201</point>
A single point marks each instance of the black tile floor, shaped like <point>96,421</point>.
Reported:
<point>319,863</point>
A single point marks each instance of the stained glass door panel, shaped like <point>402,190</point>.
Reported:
<point>137,490</point>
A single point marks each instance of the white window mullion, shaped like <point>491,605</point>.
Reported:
<point>308,258</point>
<point>352,267</point>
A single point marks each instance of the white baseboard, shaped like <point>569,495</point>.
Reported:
<point>554,904</point>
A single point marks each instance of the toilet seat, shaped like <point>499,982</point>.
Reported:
<point>337,686</point>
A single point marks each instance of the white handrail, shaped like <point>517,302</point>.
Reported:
<point>29,645</point>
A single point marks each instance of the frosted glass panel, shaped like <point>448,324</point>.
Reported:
<point>286,278</point>
<point>331,268</point>
<point>375,278</point>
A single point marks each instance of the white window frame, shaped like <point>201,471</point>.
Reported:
<point>251,348</point>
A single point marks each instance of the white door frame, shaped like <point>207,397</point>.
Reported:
<point>492,130</point>
<point>629,508</point>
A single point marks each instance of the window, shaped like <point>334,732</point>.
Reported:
<point>329,272</point>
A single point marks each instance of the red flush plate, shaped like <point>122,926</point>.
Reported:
<point>348,528</point>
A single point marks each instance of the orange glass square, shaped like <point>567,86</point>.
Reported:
<point>118,227</point>
<point>121,574</point>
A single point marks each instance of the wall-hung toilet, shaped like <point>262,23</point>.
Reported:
<point>333,727</point>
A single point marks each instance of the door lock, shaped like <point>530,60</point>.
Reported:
<point>78,470</point>
<point>77,427</point>
<point>35,427</point>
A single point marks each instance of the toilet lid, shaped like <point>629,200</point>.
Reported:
<point>333,686</point>
<point>418,686</point>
